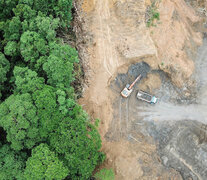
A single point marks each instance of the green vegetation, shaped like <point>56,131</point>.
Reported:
<point>105,174</point>
<point>4,68</point>
<point>44,164</point>
<point>152,14</point>
<point>19,120</point>
<point>11,163</point>
<point>45,134</point>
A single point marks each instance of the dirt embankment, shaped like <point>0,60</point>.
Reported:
<point>176,40</point>
<point>111,35</point>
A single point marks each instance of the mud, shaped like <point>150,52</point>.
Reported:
<point>123,107</point>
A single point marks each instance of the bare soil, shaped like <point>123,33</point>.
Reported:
<point>112,36</point>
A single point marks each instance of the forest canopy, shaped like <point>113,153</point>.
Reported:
<point>45,134</point>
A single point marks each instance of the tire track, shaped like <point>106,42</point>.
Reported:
<point>120,114</point>
<point>106,49</point>
<point>123,120</point>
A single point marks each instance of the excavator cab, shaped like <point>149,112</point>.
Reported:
<point>129,88</point>
<point>126,92</point>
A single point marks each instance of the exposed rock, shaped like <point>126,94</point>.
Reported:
<point>182,149</point>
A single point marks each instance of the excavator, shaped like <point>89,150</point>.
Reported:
<point>141,95</point>
<point>129,88</point>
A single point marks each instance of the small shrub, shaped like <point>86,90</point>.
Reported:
<point>105,174</point>
<point>152,14</point>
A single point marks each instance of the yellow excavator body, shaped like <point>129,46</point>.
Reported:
<point>129,88</point>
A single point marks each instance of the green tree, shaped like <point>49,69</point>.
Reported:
<point>65,102</point>
<point>11,49</point>
<point>32,46</point>
<point>44,164</point>
<point>63,10</point>
<point>6,7</point>
<point>43,96</point>
<point>59,66</point>
<point>45,26</point>
<point>47,109</point>
<point>12,29</point>
<point>60,8</point>
<point>4,67</point>
<point>40,73</point>
<point>24,12</point>
<point>26,80</point>
<point>18,117</point>
<point>65,52</point>
<point>11,163</point>
<point>58,71</point>
<point>78,143</point>
<point>38,66</point>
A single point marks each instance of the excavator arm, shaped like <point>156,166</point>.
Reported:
<point>138,78</point>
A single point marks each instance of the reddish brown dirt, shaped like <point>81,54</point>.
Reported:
<point>115,36</point>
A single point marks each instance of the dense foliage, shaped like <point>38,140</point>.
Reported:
<point>11,163</point>
<point>4,68</point>
<point>45,134</point>
<point>19,119</point>
<point>44,164</point>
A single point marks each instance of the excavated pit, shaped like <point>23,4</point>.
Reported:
<point>176,123</point>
